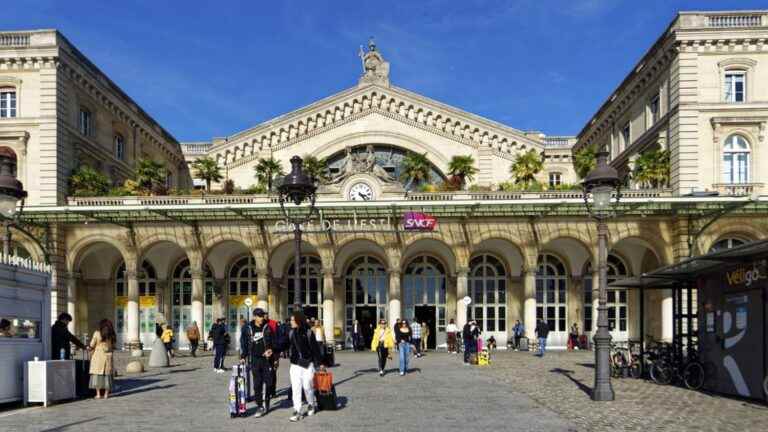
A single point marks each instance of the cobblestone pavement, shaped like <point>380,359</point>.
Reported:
<point>562,381</point>
<point>440,394</point>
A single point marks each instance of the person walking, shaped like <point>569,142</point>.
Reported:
<point>167,338</point>
<point>542,331</point>
<point>61,338</point>
<point>451,329</point>
<point>425,336</point>
<point>404,339</point>
<point>518,330</point>
<point>383,341</point>
<point>357,336</point>
<point>256,345</point>
<point>279,344</point>
<point>319,337</point>
<point>416,338</point>
<point>193,335</point>
<point>304,358</point>
<point>219,333</point>
<point>573,337</point>
<point>101,370</point>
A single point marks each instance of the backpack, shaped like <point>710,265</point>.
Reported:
<point>282,339</point>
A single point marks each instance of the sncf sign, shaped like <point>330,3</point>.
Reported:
<point>418,221</point>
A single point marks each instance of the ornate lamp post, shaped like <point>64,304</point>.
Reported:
<point>599,187</point>
<point>11,191</point>
<point>297,188</point>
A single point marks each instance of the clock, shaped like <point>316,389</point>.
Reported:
<point>360,191</point>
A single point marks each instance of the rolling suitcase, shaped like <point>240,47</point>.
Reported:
<point>329,359</point>
<point>523,344</point>
<point>83,377</point>
<point>237,396</point>
<point>325,391</point>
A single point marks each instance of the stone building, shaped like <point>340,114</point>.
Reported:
<point>518,255</point>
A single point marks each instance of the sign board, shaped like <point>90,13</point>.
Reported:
<point>248,302</point>
<point>411,221</point>
<point>467,300</point>
<point>418,221</point>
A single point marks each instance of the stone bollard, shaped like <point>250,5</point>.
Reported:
<point>134,367</point>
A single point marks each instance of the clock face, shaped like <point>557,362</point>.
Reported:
<point>361,192</point>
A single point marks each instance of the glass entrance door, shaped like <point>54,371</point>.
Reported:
<point>424,284</point>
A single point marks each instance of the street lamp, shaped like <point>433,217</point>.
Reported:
<point>297,188</point>
<point>599,187</point>
<point>11,191</point>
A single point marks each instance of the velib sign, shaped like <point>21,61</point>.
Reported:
<point>411,221</point>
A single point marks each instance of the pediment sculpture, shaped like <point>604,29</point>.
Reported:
<point>361,163</point>
<point>375,68</point>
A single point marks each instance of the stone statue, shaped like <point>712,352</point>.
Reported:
<point>372,168</point>
<point>361,163</point>
<point>375,69</point>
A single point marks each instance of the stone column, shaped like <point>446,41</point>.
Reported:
<point>461,292</point>
<point>132,307</point>
<point>263,294</point>
<point>198,286</point>
<point>667,307</point>
<point>595,298</point>
<point>329,309</point>
<point>72,279</point>
<point>529,307</point>
<point>395,297</point>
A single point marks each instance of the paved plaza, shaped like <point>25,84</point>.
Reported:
<point>518,392</point>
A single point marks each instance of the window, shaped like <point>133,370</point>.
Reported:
<point>86,122</point>
<point>625,135</point>
<point>310,293</point>
<point>616,300</point>
<point>654,109</point>
<point>21,328</point>
<point>488,290</point>
<point>181,298</point>
<point>366,285</point>
<point>555,179</point>
<point>7,102</point>
<point>727,243</point>
<point>736,160</point>
<point>119,147</point>
<point>735,83</point>
<point>551,290</point>
<point>169,180</point>
<point>424,284</point>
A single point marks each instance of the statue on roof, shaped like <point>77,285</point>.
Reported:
<point>375,69</point>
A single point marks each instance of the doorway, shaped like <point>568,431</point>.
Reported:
<point>311,312</point>
<point>428,314</point>
<point>366,317</point>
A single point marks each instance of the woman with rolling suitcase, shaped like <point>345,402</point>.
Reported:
<point>304,359</point>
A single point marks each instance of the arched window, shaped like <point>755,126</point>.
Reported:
<point>366,283</point>
<point>18,250</point>
<point>551,281</point>
<point>310,292</point>
<point>147,279</point>
<point>736,155</point>
<point>488,290</point>
<point>242,277</point>
<point>119,147</point>
<point>424,292</point>
<point>181,299</point>
<point>616,299</point>
<point>727,243</point>
<point>7,102</point>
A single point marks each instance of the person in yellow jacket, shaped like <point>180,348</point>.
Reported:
<point>383,341</point>
<point>167,338</point>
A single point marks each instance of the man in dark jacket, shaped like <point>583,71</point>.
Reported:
<point>256,344</point>
<point>61,338</point>
<point>219,333</point>
<point>542,331</point>
<point>469,341</point>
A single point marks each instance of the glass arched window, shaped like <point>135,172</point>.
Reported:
<point>147,279</point>
<point>488,290</point>
<point>616,299</point>
<point>243,281</point>
<point>310,292</point>
<point>727,243</point>
<point>366,283</point>
<point>181,299</point>
<point>551,300</point>
<point>736,155</point>
<point>18,250</point>
<point>424,290</point>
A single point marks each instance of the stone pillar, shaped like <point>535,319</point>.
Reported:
<point>461,292</point>
<point>595,298</point>
<point>72,279</point>
<point>529,307</point>
<point>198,286</point>
<point>667,307</point>
<point>263,294</point>
<point>132,307</point>
<point>395,297</point>
<point>329,309</point>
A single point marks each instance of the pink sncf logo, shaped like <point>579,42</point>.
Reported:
<point>418,221</point>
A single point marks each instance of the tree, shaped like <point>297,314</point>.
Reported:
<point>416,168</point>
<point>526,166</point>
<point>316,168</point>
<point>585,160</point>
<point>463,168</point>
<point>87,181</point>
<point>652,169</point>
<point>208,170</point>
<point>149,173</point>
<point>267,170</point>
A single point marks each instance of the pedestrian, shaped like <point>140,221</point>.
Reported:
<point>404,339</point>
<point>219,333</point>
<point>256,346</point>
<point>357,336</point>
<point>451,329</point>
<point>573,337</point>
<point>518,331</point>
<point>319,336</point>
<point>542,331</point>
<point>167,338</point>
<point>425,336</point>
<point>469,343</point>
<point>304,359</point>
<point>491,343</point>
<point>101,370</point>
<point>193,335</point>
<point>383,340</point>
<point>416,337</point>
<point>278,345</point>
<point>61,338</point>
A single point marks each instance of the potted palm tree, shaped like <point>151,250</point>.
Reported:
<point>462,169</point>
<point>208,170</point>
<point>652,169</point>
<point>86,181</point>
<point>415,168</point>
<point>150,176</point>
<point>526,166</point>
<point>267,170</point>
<point>316,168</point>
<point>585,160</point>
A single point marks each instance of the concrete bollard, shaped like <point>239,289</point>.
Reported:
<point>134,367</point>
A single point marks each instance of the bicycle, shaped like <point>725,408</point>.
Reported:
<point>624,363</point>
<point>665,367</point>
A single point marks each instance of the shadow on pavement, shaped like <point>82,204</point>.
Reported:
<point>567,373</point>
<point>129,384</point>
<point>68,425</point>
<point>587,365</point>
<point>144,389</point>
<point>183,370</point>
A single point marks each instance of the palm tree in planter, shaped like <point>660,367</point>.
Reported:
<point>316,168</point>
<point>526,166</point>
<point>208,170</point>
<point>86,181</point>
<point>463,169</point>
<point>416,168</point>
<point>585,160</point>
<point>267,170</point>
<point>150,174</point>
<point>652,169</point>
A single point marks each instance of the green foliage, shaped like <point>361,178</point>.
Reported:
<point>86,181</point>
<point>228,187</point>
<point>478,188</point>
<point>267,170</point>
<point>208,170</point>
<point>585,160</point>
<point>428,187</point>
<point>150,175</point>
<point>526,166</point>
<point>316,168</point>
<point>463,168</point>
<point>415,168</point>
<point>256,190</point>
<point>652,169</point>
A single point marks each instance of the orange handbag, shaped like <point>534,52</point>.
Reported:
<point>323,381</point>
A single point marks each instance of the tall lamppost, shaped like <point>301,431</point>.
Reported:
<point>11,191</point>
<point>599,187</point>
<point>297,188</point>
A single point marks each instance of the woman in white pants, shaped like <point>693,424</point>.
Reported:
<point>305,355</point>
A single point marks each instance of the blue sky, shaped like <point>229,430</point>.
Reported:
<point>205,69</point>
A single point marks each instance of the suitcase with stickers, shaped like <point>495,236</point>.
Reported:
<point>237,392</point>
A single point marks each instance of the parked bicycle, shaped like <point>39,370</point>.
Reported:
<point>624,361</point>
<point>665,367</point>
